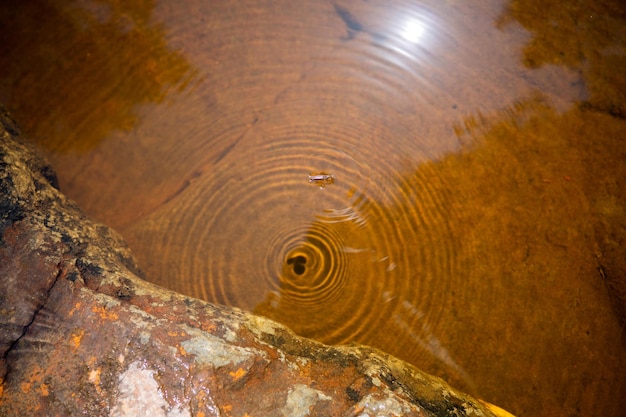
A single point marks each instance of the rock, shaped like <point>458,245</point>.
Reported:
<point>83,334</point>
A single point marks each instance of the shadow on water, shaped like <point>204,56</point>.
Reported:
<point>587,36</point>
<point>528,285</point>
<point>72,74</point>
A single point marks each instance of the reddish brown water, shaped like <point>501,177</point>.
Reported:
<point>475,221</point>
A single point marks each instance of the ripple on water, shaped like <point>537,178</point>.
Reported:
<point>345,93</point>
<point>256,234</point>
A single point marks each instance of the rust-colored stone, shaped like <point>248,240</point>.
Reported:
<point>82,334</point>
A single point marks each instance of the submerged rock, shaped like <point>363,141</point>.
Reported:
<point>82,334</point>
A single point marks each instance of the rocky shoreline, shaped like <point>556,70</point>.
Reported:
<point>83,334</point>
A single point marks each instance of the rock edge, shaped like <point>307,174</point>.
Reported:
<point>83,334</point>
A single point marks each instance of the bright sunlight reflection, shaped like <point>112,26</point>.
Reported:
<point>413,30</point>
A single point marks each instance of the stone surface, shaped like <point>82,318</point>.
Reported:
<point>82,334</point>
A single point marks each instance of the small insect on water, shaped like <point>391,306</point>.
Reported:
<point>322,179</point>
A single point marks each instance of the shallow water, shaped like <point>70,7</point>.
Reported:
<point>475,222</point>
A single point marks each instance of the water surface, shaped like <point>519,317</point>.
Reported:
<point>475,223</point>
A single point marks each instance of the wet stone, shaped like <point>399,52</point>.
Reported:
<point>82,334</point>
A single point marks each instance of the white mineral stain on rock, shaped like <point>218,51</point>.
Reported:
<point>260,325</point>
<point>299,400</point>
<point>144,338</point>
<point>139,395</point>
<point>211,350</point>
<point>230,335</point>
<point>106,300</point>
<point>388,406</point>
<point>298,365</point>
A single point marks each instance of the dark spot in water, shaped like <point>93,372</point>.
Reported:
<point>352,24</point>
<point>298,263</point>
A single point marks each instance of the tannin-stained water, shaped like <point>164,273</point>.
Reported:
<point>441,180</point>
